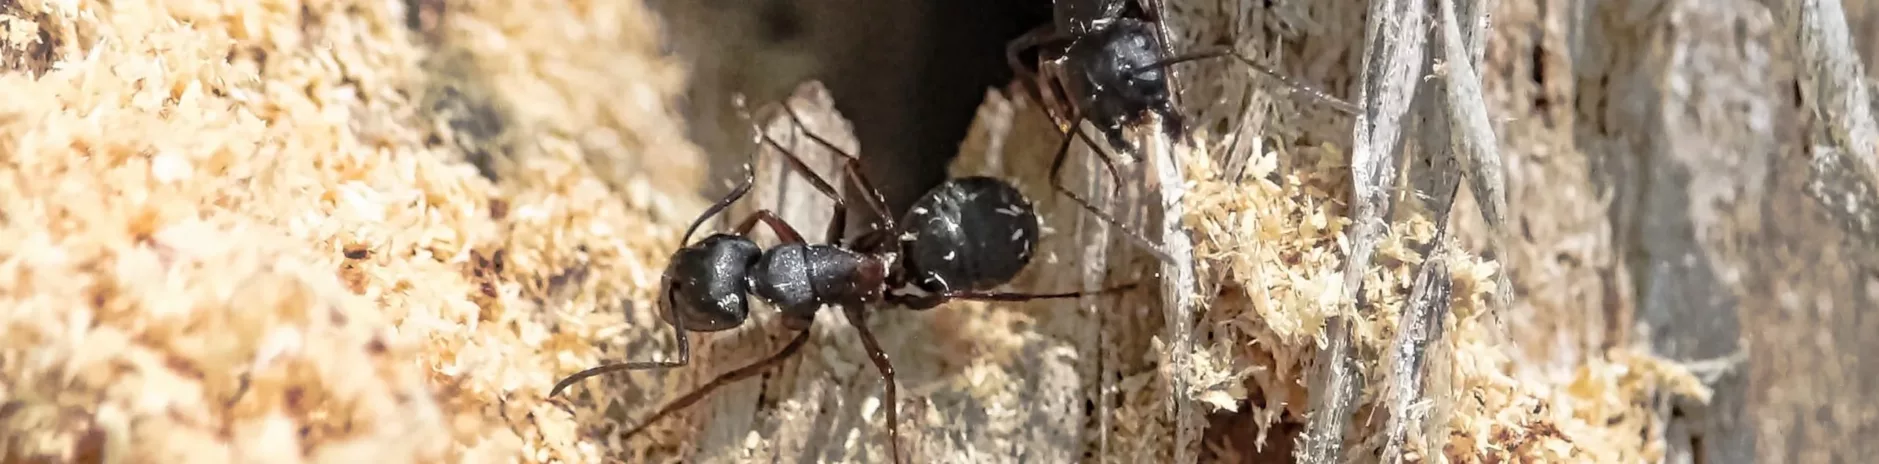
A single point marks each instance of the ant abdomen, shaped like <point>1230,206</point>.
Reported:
<point>798,279</point>
<point>969,233</point>
<point>705,283</point>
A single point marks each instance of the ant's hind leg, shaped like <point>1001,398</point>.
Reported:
<point>796,163</point>
<point>740,373</point>
<point>851,170</point>
<point>1031,81</point>
<point>859,319</point>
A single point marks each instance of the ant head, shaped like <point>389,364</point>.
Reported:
<point>969,233</point>
<point>705,283</point>
<point>1125,59</point>
<point>1122,62</point>
<point>1116,76</point>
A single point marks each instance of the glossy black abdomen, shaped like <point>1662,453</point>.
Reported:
<point>969,233</point>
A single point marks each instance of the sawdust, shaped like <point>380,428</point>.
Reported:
<point>1274,239</point>
<point>340,231</point>
<point>1273,242</point>
<point>257,231</point>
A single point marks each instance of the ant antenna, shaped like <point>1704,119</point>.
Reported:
<point>1229,52</point>
<point>678,322</point>
<point>750,174</point>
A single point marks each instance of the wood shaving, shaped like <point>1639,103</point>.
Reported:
<point>239,236</point>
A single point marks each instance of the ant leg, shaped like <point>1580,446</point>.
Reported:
<point>783,231</point>
<point>678,336</point>
<point>851,168</point>
<point>1038,37</point>
<point>1294,85</point>
<point>743,188</point>
<point>920,302</point>
<point>1056,183</point>
<point>859,319</point>
<point>1057,105</point>
<point>1063,153</point>
<point>740,373</point>
<point>1109,163</point>
<point>1031,39</point>
<point>1108,156</point>
<point>796,163</point>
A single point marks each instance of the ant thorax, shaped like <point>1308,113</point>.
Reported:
<point>798,279</point>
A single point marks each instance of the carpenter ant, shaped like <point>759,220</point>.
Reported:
<point>957,242</point>
<point>1109,62</point>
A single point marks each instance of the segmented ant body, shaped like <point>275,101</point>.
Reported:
<point>959,241</point>
<point>1100,61</point>
<point>1109,62</point>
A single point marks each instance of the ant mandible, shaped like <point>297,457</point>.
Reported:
<point>958,241</point>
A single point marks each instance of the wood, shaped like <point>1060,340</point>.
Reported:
<point>1393,67</point>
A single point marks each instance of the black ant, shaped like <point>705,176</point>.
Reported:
<point>958,241</point>
<point>1108,62</point>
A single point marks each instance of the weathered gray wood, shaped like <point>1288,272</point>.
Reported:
<point>1471,134</point>
<point>1810,379</point>
<point>1422,324</point>
<point>1683,140</point>
<point>1177,290</point>
<point>1834,88</point>
<point>1454,125</point>
<point>1393,66</point>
